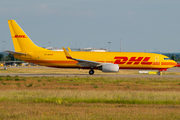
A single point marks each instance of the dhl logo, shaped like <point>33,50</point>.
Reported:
<point>132,60</point>
<point>19,36</point>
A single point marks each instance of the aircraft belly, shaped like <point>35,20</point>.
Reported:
<point>140,66</point>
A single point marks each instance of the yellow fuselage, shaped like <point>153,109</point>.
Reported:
<point>125,60</point>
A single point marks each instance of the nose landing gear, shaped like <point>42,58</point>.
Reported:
<point>91,72</point>
<point>159,73</point>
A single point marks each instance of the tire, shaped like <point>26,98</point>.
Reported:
<point>91,72</point>
<point>159,73</point>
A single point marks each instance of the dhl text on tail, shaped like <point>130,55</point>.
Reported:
<point>27,51</point>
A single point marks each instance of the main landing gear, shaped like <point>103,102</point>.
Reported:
<point>159,73</point>
<point>91,72</point>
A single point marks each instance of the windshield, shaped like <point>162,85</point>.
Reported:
<point>166,59</point>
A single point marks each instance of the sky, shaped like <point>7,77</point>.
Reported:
<point>142,25</point>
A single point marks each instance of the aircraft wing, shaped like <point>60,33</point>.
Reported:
<point>19,53</point>
<point>82,63</point>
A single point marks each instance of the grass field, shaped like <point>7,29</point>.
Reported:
<point>91,98</point>
<point>45,70</point>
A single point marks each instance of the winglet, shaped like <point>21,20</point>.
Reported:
<point>68,56</point>
<point>69,49</point>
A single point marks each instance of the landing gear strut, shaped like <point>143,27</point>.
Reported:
<point>91,72</point>
<point>159,73</point>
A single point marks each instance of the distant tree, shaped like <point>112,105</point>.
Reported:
<point>9,57</point>
<point>1,56</point>
<point>177,56</point>
<point>173,57</point>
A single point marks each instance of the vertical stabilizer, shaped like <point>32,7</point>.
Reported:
<point>22,43</point>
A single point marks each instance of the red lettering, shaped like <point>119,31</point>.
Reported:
<point>132,60</point>
<point>145,61</point>
<point>120,60</point>
<point>19,36</point>
<point>136,61</point>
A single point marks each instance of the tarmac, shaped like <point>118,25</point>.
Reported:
<point>87,75</point>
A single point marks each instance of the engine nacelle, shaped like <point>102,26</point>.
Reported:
<point>109,67</point>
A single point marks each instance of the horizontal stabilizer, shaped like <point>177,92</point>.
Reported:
<point>18,53</point>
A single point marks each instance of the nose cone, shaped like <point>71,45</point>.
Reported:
<point>173,63</point>
<point>169,63</point>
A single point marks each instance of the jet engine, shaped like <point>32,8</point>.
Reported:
<point>109,67</point>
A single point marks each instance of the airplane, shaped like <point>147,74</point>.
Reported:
<point>27,51</point>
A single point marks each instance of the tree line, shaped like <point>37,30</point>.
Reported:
<point>173,56</point>
<point>7,57</point>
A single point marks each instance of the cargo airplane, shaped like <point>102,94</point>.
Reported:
<point>27,51</point>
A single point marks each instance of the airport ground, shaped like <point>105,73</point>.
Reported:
<point>40,71</point>
<point>49,93</point>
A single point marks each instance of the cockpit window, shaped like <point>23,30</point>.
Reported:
<point>166,59</point>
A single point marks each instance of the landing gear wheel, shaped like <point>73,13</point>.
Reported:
<point>91,72</point>
<point>5,68</point>
<point>159,73</point>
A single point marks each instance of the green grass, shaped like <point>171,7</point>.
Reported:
<point>39,80</point>
<point>93,80</point>
<point>96,82</point>
<point>10,78</point>
<point>95,86</point>
<point>45,70</point>
<point>4,83</point>
<point>68,96</point>
<point>29,85</point>
<point>89,98</point>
